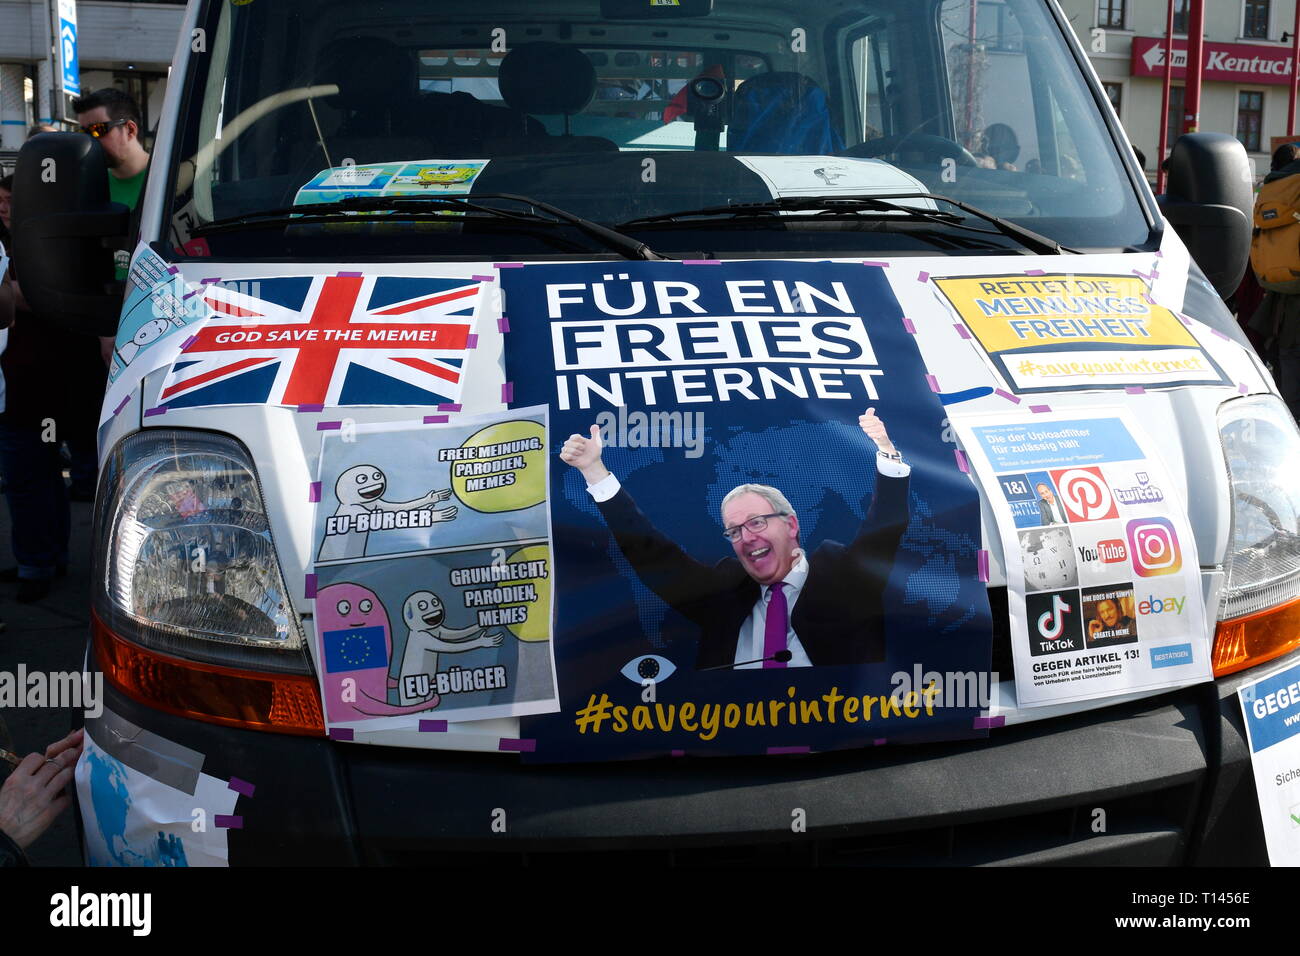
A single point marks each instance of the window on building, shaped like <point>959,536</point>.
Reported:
<point>1250,119</point>
<point>1174,120</point>
<point>1115,93</point>
<point>1254,21</point>
<point>1180,16</point>
<point>1110,14</point>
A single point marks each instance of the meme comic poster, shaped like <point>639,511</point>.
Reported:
<point>719,429</point>
<point>433,571</point>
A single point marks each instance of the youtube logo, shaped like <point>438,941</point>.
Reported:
<point>1112,550</point>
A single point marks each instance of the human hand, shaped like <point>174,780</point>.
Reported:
<point>33,795</point>
<point>583,453</point>
<point>874,429</point>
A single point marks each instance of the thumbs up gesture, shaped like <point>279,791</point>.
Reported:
<point>583,453</point>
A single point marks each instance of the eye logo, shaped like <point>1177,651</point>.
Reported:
<point>1154,547</point>
<point>1084,494</point>
<point>651,667</point>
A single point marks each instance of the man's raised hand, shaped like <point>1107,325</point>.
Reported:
<point>583,453</point>
<point>874,429</point>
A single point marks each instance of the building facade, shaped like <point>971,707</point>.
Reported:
<point>1245,84</point>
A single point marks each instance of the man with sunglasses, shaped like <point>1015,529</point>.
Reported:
<point>771,605</point>
<point>112,117</point>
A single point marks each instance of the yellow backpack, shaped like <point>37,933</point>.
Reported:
<point>1275,243</point>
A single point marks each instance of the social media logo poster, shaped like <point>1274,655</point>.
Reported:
<point>1103,589</point>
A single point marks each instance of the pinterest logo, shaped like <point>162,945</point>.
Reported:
<point>1084,494</point>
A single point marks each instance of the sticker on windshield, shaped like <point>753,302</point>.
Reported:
<point>345,339</point>
<point>1077,332</point>
<point>432,177</point>
<point>1103,581</point>
<point>433,571</point>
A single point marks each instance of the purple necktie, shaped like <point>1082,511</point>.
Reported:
<point>778,623</point>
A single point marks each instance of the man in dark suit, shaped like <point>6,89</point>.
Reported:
<point>771,605</point>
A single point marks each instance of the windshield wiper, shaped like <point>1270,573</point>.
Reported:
<point>343,210</point>
<point>866,203</point>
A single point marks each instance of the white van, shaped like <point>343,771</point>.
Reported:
<point>808,400</point>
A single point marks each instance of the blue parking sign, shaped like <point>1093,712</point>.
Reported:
<point>68,58</point>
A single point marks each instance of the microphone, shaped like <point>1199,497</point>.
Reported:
<point>781,656</point>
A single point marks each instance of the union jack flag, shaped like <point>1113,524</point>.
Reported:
<point>345,339</point>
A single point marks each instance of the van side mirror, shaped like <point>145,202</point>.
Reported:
<point>62,221</point>
<point>1209,201</point>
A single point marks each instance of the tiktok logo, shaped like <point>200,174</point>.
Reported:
<point>1051,624</point>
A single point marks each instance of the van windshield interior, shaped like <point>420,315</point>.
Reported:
<point>309,128</point>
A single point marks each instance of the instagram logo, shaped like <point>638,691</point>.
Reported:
<point>1154,547</point>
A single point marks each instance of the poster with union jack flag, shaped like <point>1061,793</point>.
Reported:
<point>345,339</point>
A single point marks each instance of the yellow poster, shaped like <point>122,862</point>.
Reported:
<point>1077,331</point>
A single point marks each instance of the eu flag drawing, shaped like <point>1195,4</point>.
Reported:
<point>354,649</point>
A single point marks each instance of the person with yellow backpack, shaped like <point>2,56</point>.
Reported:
<point>1275,259</point>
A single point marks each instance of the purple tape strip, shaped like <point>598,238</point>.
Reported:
<point>961,330</point>
<point>1159,254</point>
<point>151,412</point>
<point>311,408</point>
<point>209,281</point>
<point>878,742</point>
<point>1040,409</point>
<point>789,750</point>
<point>188,294</point>
<point>985,723</point>
<point>508,392</point>
<point>448,407</point>
<point>677,753</point>
<point>1146,297</point>
<point>241,786</point>
<point>483,278</point>
<point>923,277</point>
<point>701,262</point>
<point>328,426</point>
<point>1220,335</point>
<point>188,342</point>
<point>933,382</point>
<point>173,270</point>
<point>1135,389</point>
<point>340,733</point>
<point>349,275</point>
<point>877,264</point>
<point>962,464</point>
<point>433,726</point>
<point>907,324</point>
<point>223,822</point>
<point>1007,395</point>
<point>517,746</point>
<point>471,341</point>
<point>982,565</point>
<point>309,586</point>
<point>507,265</point>
<point>435,419</point>
<point>122,404</point>
<point>1243,388</point>
<point>1035,272</point>
<point>313,491</point>
<point>503,324</point>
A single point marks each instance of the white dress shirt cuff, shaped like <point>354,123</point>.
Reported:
<point>886,466</point>
<point>604,489</point>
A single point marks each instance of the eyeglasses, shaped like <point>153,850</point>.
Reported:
<point>754,524</point>
<point>99,129</point>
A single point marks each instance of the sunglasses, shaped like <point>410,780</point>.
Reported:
<point>100,129</point>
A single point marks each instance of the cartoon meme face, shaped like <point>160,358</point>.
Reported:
<point>423,609</point>
<point>151,331</point>
<point>349,605</point>
<point>360,484</point>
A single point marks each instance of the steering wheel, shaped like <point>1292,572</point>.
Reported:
<point>928,144</point>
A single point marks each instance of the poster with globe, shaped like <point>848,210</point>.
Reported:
<point>763,543</point>
<point>432,575</point>
<point>1103,581</point>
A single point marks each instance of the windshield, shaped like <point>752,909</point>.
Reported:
<point>618,111</point>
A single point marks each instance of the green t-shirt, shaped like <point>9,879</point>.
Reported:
<point>127,192</point>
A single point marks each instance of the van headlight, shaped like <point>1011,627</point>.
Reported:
<point>1259,610</point>
<point>185,560</point>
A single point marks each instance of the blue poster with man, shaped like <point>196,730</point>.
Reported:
<point>762,539</point>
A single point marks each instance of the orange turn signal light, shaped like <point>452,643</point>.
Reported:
<point>1246,641</point>
<point>279,703</point>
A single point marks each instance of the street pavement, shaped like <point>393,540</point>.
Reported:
<point>48,636</point>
